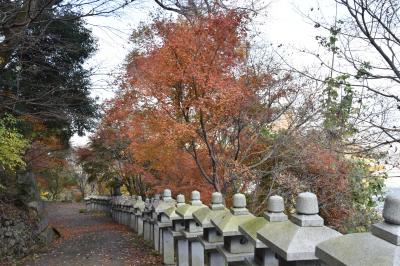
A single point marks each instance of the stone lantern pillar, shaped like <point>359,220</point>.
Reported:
<point>211,238</point>
<point>131,213</point>
<point>192,230</point>
<point>87,204</point>
<point>146,219</point>
<point>113,202</point>
<point>119,209</point>
<point>139,207</point>
<point>152,216</point>
<point>162,221</point>
<point>236,247</point>
<point>124,207</point>
<point>263,256</point>
<point>380,247</point>
<point>294,241</point>
<point>173,234</point>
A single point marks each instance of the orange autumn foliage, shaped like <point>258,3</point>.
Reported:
<point>190,103</point>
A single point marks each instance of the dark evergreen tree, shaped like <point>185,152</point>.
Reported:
<point>44,75</point>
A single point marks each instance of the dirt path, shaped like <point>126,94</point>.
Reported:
<point>91,239</point>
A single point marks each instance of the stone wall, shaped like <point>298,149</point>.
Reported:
<point>23,220</point>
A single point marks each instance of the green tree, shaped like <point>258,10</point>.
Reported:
<point>45,78</point>
<point>12,145</point>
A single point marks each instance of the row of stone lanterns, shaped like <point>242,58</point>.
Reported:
<point>194,234</point>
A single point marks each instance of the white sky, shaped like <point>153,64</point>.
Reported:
<point>282,24</point>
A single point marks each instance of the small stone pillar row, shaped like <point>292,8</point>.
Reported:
<point>191,231</point>
<point>211,238</point>
<point>380,247</point>
<point>236,246</point>
<point>294,241</point>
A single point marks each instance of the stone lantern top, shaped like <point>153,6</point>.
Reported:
<point>204,215</point>
<point>391,209</point>
<point>195,198</point>
<point>295,240</point>
<point>167,195</point>
<point>166,203</point>
<point>139,205</point>
<point>186,211</point>
<point>307,210</point>
<point>171,212</point>
<point>228,223</point>
<point>217,201</point>
<point>275,209</point>
<point>239,205</point>
<point>180,200</point>
<point>380,247</point>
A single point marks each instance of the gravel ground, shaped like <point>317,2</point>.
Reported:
<point>91,239</point>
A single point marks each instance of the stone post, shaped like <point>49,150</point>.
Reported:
<point>139,207</point>
<point>263,256</point>
<point>153,217</point>
<point>172,236</point>
<point>146,222</point>
<point>211,238</point>
<point>236,247</point>
<point>87,204</point>
<point>161,220</point>
<point>380,247</point>
<point>131,213</point>
<point>294,241</point>
<point>192,229</point>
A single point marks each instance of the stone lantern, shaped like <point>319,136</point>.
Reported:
<point>236,246</point>
<point>294,241</point>
<point>171,236</point>
<point>126,206</point>
<point>146,219</point>
<point>380,247</point>
<point>139,208</point>
<point>211,238</point>
<point>158,211</point>
<point>190,244</point>
<point>263,256</point>
<point>113,208</point>
<point>131,213</point>
<point>87,203</point>
<point>117,209</point>
<point>152,218</point>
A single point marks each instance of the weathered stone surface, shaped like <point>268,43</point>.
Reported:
<point>380,247</point>
<point>293,242</point>
<point>167,195</point>
<point>239,201</point>
<point>307,219</point>
<point>217,201</point>
<point>250,228</point>
<point>361,249</point>
<point>275,204</point>
<point>307,203</point>
<point>391,209</point>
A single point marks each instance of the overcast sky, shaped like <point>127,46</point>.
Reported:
<point>282,24</point>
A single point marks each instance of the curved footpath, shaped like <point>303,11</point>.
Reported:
<point>91,239</point>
